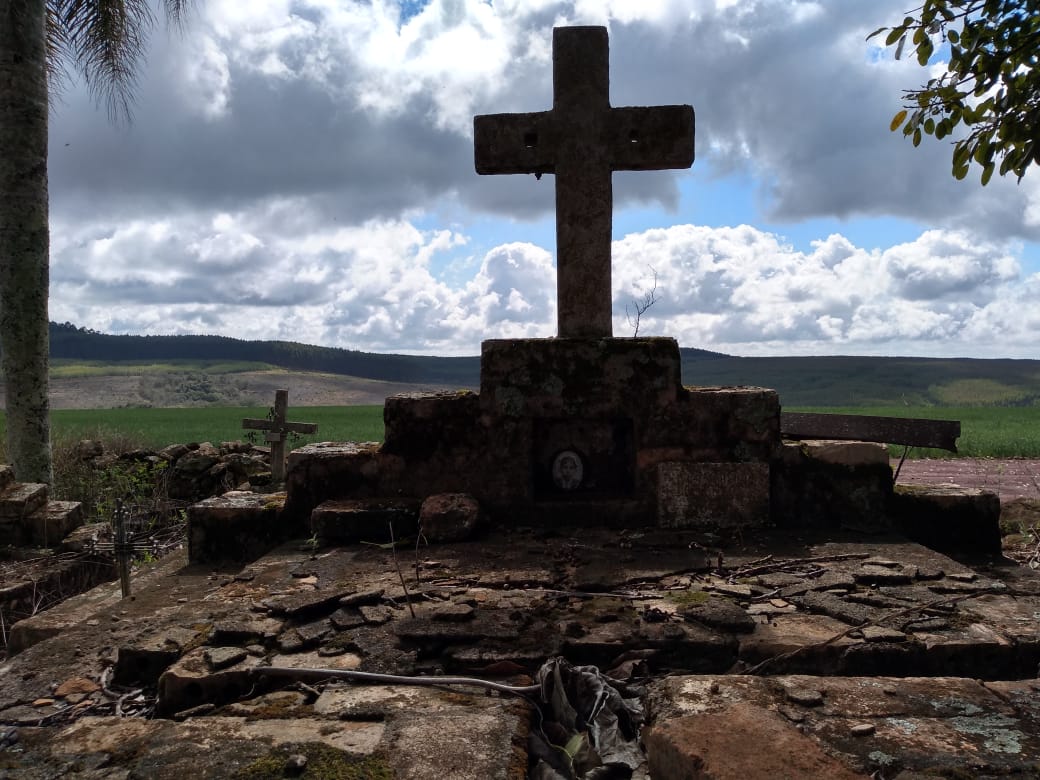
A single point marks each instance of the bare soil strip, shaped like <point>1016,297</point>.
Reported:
<point>1009,478</point>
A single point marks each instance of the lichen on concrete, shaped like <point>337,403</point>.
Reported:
<point>322,763</point>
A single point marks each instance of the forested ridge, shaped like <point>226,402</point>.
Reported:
<point>801,381</point>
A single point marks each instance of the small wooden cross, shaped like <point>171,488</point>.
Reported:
<point>277,431</point>
<point>582,140</point>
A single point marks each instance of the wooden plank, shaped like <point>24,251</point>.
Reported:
<point>941,434</point>
<point>271,425</point>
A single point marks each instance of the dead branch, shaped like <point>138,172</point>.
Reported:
<point>301,674</point>
<point>792,563</point>
<point>641,305</point>
<point>397,565</point>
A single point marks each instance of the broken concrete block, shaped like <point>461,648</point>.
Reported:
<point>20,500</point>
<point>832,484</point>
<point>449,517</point>
<point>418,424</point>
<point>716,745</point>
<point>84,537</point>
<point>720,613</point>
<point>705,495</point>
<point>326,470</point>
<point>365,520</point>
<point>237,526</point>
<point>587,378</point>
<point>193,680</point>
<point>52,522</point>
<point>307,603</point>
<point>845,453</point>
<point>949,519</point>
<point>924,726</point>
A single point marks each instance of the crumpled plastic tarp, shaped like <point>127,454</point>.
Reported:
<point>589,727</point>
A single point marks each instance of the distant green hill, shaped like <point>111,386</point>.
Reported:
<point>877,381</point>
<point>68,341</point>
<point>801,381</point>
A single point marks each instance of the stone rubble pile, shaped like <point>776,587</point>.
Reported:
<point>196,470</point>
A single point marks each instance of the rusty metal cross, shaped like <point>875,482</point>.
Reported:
<point>277,431</point>
<point>582,140</point>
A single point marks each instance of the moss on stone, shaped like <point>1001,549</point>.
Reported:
<point>687,598</point>
<point>323,763</point>
<point>280,709</point>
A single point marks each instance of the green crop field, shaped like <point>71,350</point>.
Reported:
<point>159,427</point>
<point>999,432</point>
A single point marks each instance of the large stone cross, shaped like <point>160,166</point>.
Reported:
<point>582,140</point>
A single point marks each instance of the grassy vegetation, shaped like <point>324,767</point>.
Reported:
<point>986,431</point>
<point>159,427</point>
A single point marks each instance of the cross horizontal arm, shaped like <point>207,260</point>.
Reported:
<point>270,425</point>
<point>650,139</point>
<point>514,143</point>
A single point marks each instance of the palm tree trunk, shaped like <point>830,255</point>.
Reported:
<point>24,236</point>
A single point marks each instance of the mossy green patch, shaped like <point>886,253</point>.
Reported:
<point>687,598</point>
<point>323,763</point>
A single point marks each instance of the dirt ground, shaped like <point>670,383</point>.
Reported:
<point>1010,479</point>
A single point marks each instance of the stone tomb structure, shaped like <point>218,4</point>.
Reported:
<point>583,428</point>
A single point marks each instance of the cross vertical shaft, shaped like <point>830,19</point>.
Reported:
<point>584,193</point>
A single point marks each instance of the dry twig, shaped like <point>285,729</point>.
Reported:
<point>397,565</point>
<point>792,563</point>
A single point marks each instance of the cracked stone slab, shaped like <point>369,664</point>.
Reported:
<point>720,613</point>
<point>683,645</point>
<point>859,726</point>
<point>481,626</point>
<point>165,750</point>
<point>306,602</point>
<point>245,630</point>
<point>835,607</point>
<point>434,734</point>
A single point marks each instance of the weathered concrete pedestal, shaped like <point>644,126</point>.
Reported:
<point>567,432</point>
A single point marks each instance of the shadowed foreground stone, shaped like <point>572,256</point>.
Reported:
<point>949,519</point>
<point>365,520</point>
<point>832,484</point>
<point>751,727</point>
<point>237,526</point>
<point>449,517</point>
<point>717,746</point>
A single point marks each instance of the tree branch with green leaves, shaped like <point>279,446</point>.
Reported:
<point>991,86</point>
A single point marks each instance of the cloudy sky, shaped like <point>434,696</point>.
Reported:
<point>303,170</point>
